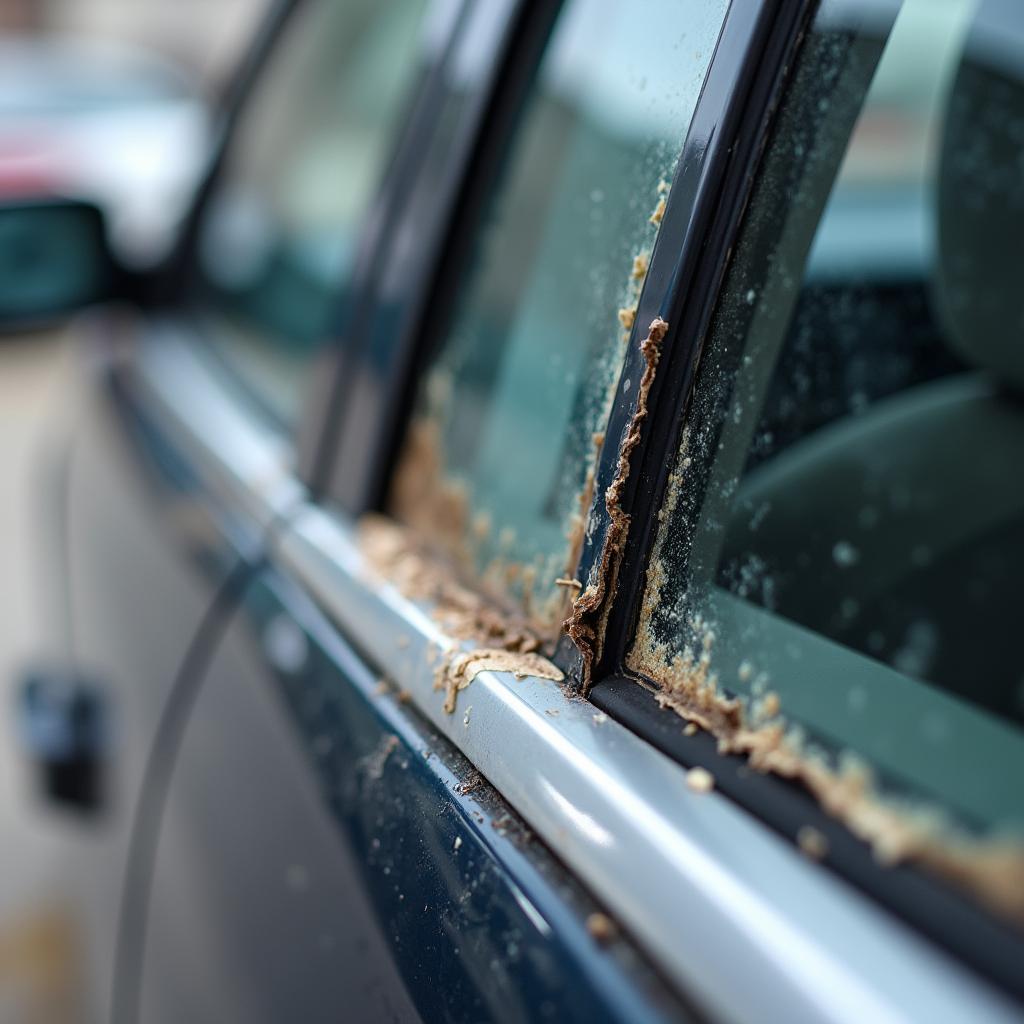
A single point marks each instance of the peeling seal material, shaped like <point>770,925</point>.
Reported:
<point>586,624</point>
<point>502,639</point>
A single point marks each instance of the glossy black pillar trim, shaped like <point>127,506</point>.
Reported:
<point>709,191</point>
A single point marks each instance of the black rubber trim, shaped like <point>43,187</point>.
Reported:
<point>991,947</point>
<point>709,191</point>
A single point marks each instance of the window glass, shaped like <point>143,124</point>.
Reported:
<point>508,419</point>
<point>842,545</point>
<point>278,241</point>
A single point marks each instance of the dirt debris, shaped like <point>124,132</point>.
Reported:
<point>456,673</point>
<point>812,842</point>
<point>471,783</point>
<point>700,780</point>
<point>601,927</point>
<point>378,759</point>
<point>585,625</point>
<point>424,497</point>
<point>897,830</point>
<point>505,639</point>
<point>659,211</point>
<point>422,574</point>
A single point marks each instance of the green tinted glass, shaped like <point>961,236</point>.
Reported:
<point>507,422</point>
<point>278,242</point>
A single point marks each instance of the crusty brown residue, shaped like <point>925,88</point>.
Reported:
<point>457,672</point>
<point>424,497</point>
<point>601,927</point>
<point>586,624</point>
<point>502,638</point>
<point>897,830</point>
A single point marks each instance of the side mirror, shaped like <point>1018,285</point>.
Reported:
<point>54,259</point>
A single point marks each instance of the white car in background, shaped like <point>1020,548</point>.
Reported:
<point>96,120</point>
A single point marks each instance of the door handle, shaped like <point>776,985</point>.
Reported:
<point>63,729</point>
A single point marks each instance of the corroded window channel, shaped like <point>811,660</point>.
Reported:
<point>497,468</point>
<point>834,591</point>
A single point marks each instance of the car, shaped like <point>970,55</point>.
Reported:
<point>102,122</point>
<point>545,544</point>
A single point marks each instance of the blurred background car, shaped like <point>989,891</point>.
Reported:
<point>111,101</point>
<point>104,121</point>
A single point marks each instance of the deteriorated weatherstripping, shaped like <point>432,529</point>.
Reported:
<point>586,625</point>
<point>503,639</point>
<point>992,869</point>
<point>457,672</point>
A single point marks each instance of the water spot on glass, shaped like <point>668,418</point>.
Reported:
<point>915,654</point>
<point>845,554</point>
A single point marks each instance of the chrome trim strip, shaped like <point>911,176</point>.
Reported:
<point>734,914</point>
<point>240,458</point>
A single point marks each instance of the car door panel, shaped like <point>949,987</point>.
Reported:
<point>325,854</point>
<point>146,553</point>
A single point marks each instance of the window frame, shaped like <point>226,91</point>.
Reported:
<point>346,457</point>
<point>933,907</point>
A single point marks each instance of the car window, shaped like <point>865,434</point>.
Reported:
<point>508,419</point>
<point>277,244</point>
<point>834,587</point>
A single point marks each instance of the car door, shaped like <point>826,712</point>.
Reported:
<point>711,895</point>
<point>322,849</point>
<point>323,831</point>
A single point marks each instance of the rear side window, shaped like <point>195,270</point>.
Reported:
<point>507,423</point>
<point>835,589</point>
<point>277,246</point>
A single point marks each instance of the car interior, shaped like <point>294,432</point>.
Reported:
<point>883,496</point>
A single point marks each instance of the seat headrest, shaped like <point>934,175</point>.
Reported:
<point>980,196</point>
